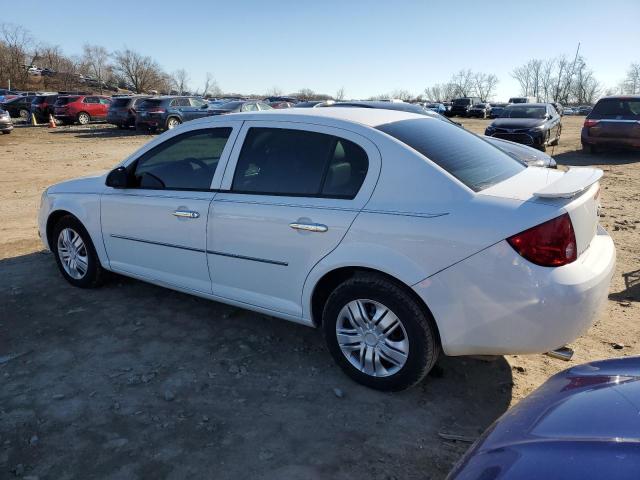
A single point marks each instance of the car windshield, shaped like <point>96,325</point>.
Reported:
<point>65,100</point>
<point>462,101</point>
<point>479,105</point>
<point>617,107</point>
<point>469,158</point>
<point>523,112</point>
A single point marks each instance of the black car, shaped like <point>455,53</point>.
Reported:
<point>461,106</point>
<point>534,124</point>
<point>240,106</point>
<point>309,104</point>
<point>122,111</point>
<point>5,122</point>
<point>614,122</point>
<point>42,106</point>
<point>19,107</point>
<point>496,109</point>
<point>166,113</point>
<point>479,110</point>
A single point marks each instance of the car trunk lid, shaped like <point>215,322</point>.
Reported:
<point>575,191</point>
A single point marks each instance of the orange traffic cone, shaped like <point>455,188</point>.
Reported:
<point>52,122</point>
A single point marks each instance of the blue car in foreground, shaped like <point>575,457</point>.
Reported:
<point>583,423</point>
<point>436,107</point>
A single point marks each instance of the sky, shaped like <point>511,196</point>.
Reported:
<point>366,47</point>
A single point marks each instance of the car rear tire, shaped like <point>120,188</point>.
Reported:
<point>75,254</point>
<point>173,122</point>
<point>6,132</point>
<point>590,149</point>
<point>379,334</point>
<point>83,118</point>
<point>23,114</point>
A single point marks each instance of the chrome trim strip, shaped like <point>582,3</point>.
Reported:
<point>162,244</point>
<point>199,250</point>
<point>244,257</point>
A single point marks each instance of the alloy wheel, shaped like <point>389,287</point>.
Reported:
<point>83,119</point>
<point>372,338</point>
<point>73,253</point>
<point>173,123</point>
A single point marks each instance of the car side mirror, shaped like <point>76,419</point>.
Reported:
<point>118,178</point>
<point>205,106</point>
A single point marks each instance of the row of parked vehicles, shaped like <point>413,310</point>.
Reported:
<point>614,121</point>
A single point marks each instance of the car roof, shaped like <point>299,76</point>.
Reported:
<point>371,117</point>
<point>621,97</point>
<point>528,104</point>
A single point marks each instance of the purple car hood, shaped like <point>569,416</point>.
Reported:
<point>583,423</point>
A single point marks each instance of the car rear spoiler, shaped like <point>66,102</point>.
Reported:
<point>573,182</point>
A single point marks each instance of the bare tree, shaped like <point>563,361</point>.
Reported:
<point>274,92</point>
<point>180,80</point>
<point>95,61</point>
<point>631,83</point>
<point>463,84</point>
<point>16,45</point>
<point>485,85</point>
<point>400,94</point>
<point>140,72</point>
<point>340,94</point>
<point>306,94</point>
<point>211,88</point>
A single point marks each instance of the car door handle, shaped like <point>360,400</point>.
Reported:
<point>186,214</point>
<point>309,227</point>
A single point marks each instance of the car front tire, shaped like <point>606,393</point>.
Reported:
<point>75,254</point>
<point>379,334</point>
<point>83,118</point>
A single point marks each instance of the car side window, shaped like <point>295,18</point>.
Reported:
<point>91,100</point>
<point>249,107</point>
<point>105,101</point>
<point>196,102</point>
<point>276,161</point>
<point>185,162</point>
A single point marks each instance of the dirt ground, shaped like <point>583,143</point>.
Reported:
<point>135,381</point>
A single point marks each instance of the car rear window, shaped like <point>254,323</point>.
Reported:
<point>470,159</point>
<point>65,100</point>
<point>147,104</point>
<point>614,107</point>
<point>462,101</point>
<point>120,102</point>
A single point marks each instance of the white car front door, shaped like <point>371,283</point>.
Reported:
<point>156,227</point>
<point>289,195</point>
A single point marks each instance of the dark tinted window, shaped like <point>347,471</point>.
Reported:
<point>120,102</point>
<point>91,100</point>
<point>467,157</point>
<point>296,162</point>
<point>524,112</point>
<point>462,101</point>
<point>613,107</point>
<point>148,104</point>
<point>65,100</point>
<point>187,161</point>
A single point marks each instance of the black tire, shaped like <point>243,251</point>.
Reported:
<point>6,132</point>
<point>590,149</point>
<point>172,122</point>
<point>123,126</point>
<point>95,273</point>
<point>418,324</point>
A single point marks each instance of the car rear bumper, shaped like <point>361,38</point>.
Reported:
<point>121,118</point>
<point>498,303</point>
<point>625,142</point>
<point>6,126</point>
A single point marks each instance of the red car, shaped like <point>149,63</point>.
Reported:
<point>81,108</point>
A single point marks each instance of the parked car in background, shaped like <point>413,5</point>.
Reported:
<point>6,125</point>
<point>479,110</point>
<point>122,111</point>
<point>19,107</point>
<point>297,213</point>
<point>614,122</point>
<point>522,100</point>
<point>166,113</point>
<point>568,111</point>
<point>43,105</point>
<point>496,109</point>
<point>241,106</point>
<point>280,98</point>
<point>534,124</point>
<point>461,106</point>
<point>584,110</point>
<point>436,107</point>
<point>309,104</point>
<point>82,109</point>
<point>582,423</point>
<point>6,95</point>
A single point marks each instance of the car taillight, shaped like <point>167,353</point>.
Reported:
<point>156,110</point>
<point>550,244</point>
<point>590,122</point>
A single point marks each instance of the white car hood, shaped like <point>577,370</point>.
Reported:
<point>92,183</point>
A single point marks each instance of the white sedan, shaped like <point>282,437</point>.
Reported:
<point>400,235</point>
